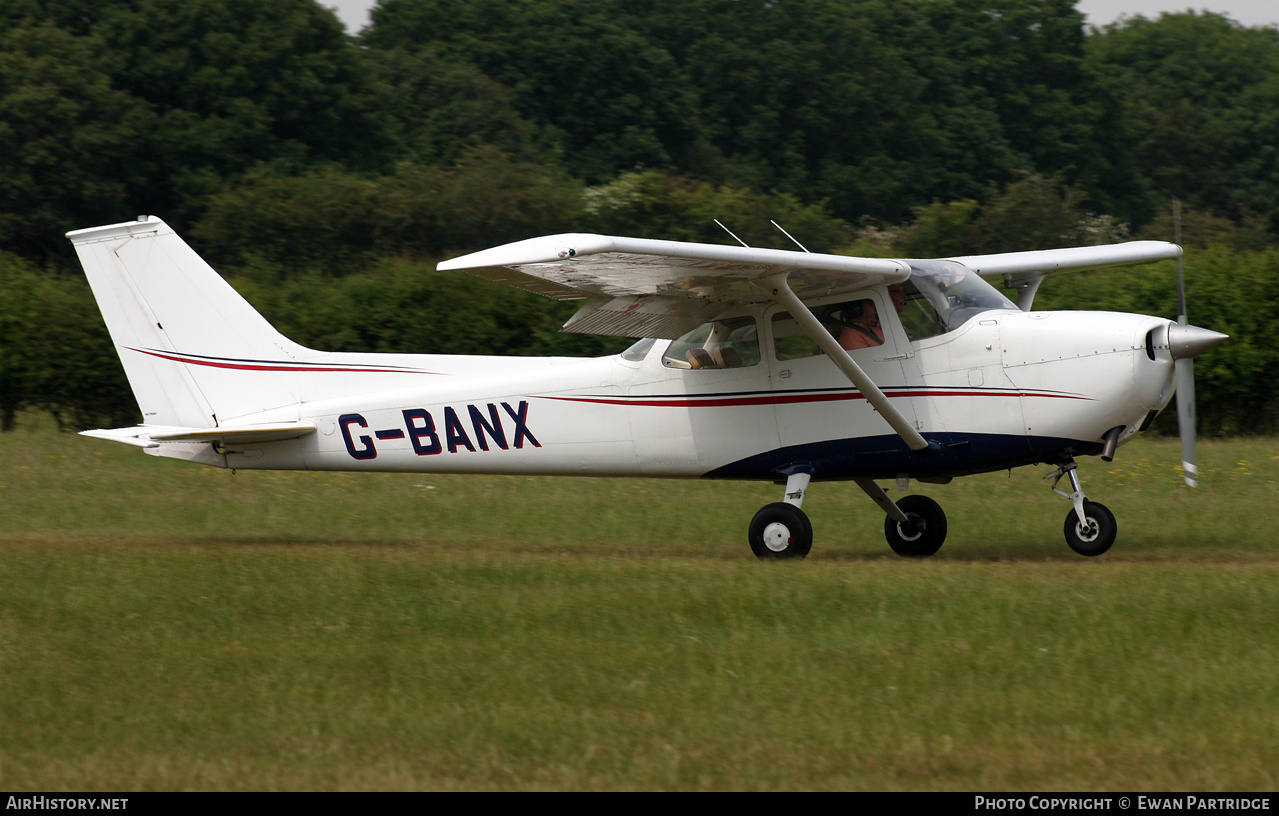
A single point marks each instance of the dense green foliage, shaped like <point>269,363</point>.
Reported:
<point>292,154</point>
<point>54,350</point>
<point>118,107</point>
<point>1200,101</point>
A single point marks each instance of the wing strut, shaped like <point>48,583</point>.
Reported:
<point>777,286</point>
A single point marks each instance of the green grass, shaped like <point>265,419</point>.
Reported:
<point>166,626</point>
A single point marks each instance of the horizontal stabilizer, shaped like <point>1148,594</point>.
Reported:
<point>150,436</point>
<point>139,436</point>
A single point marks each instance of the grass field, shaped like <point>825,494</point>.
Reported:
<point>166,626</point>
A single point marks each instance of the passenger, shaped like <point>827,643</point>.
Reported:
<point>861,326</point>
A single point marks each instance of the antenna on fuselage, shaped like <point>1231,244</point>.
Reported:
<point>788,235</point>
<point>730,232</point>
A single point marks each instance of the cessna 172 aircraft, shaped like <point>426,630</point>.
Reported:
<point>762,364</point>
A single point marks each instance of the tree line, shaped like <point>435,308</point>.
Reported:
<point>290,153</point>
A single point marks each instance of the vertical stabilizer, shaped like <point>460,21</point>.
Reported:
<point>185,337</point>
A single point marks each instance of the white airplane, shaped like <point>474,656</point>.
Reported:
<point>747,373</point>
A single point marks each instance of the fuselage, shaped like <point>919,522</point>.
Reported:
<point>1004,389</point>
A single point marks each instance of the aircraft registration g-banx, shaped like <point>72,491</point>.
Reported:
<point>761,364</point>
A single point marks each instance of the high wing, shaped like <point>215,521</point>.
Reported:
<point>1024,271</point>
<point>637,287</point>
<point>1022,265</point>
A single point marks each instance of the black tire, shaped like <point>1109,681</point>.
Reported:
<point>926,532</point>
<point>1097,537</point>
<point>781,530</point>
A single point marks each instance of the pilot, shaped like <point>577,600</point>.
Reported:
<point>861,326</point>
<point>898,293</point>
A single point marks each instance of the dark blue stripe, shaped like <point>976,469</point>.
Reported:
<point>886,457</point>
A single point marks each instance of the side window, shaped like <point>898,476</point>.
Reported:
<point>917,312</point>
<point>731,343</point>
<point>790,342</point>
<point>854,324</point>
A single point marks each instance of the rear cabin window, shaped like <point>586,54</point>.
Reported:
<point>730,343</point>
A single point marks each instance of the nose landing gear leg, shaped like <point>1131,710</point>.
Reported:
<point>1090,527</point>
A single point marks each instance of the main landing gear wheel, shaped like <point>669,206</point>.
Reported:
<point>1097,535</point>
<point>925,533</point>
<point>781,530</point>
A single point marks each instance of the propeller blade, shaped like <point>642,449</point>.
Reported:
<point>1186,342</point>
<point>1184,380</point>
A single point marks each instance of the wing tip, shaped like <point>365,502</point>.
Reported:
<point>543,249</point>
<point>142,224</point>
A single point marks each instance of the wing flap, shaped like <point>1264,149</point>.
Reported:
<point>660,317</point>
<point>527,282</point>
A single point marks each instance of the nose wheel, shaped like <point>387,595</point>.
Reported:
<point>1095,534</point>
<point>1090,527</point>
